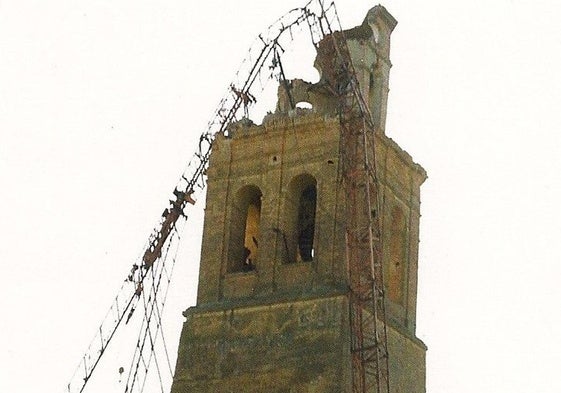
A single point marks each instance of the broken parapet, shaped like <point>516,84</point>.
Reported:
<point>369,49</point>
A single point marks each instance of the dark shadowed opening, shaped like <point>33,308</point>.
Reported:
<point>244,230</point>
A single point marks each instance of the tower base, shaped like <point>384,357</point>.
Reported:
<point>292,346</point>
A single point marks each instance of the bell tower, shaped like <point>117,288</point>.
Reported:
<point>272,311</point>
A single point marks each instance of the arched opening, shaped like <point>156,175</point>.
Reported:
<point>304,105</point>
<point>397,255</point>
<point>306,223</point>
<point>244,230</point>
<point>301,219</point>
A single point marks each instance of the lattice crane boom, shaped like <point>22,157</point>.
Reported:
<point>364,252</point>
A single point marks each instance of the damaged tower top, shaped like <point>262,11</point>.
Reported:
<point>369,49</point>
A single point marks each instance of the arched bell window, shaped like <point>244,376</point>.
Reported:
<point>301,219</point>
<point>244,230</point>
<point>306,223</point>
<point>397,255</point>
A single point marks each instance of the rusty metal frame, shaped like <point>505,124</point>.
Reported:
<point>367,310</point>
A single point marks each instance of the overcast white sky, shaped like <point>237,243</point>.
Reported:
<point>101,105</point>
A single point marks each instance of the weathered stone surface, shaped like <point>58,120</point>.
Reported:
<point>407,362</point>
<point>295,346</point>
<point>299,346</point>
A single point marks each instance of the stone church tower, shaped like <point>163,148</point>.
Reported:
<point>272,311</point>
